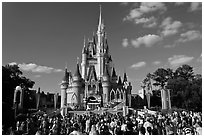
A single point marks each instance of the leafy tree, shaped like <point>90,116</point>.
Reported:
<point>185,87</point>
<point>11,77</point>
<point>161,77</point>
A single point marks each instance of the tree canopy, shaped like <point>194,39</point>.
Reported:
<point>185,86</point>
<point>12,76</point>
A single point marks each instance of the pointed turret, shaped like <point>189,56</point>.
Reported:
<point>119,81</point>
<point>66,76</point>
<point>77,73</point>
<point>84,48</point>
<point>125,78</point>
<point>106,73</point>
<point>110,58</point>
<point>114,73</point>
<point>99,21</point>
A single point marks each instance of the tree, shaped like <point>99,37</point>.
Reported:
<point>161,77</point>
<point>11,77</point>
<point>185,87</point>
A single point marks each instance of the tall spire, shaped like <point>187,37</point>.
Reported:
<point>125,77</point>
<point>77,73</point>
<point>84,48</point>
<point>99,20</point>
<point>114,73</point>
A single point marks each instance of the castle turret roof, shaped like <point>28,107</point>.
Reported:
<point>106,71</point>
<point>66,75</point>
<point>119,80</point>
<point>125,78</point>
<point>77,73</point>
<point>114,73</point>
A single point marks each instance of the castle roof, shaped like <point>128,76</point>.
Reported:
<point>106,71</point>
<point>114,73</point>
<point>119,80</point>
<point>77,73</point>
<point>92,74</point>
<point>66,76</point>
<point>125,78</point>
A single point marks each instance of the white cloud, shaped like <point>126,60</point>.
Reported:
<point>124,3</point>
<point>147,40</point>
<point>36,68</point>
<point>37,76</point>
<point>156,62</point>
<point>179,3</point>
<point>147,7</point>
<point>189,36</point>
<point>148,22</point>
<point>125,42</point>
<point>170,46</point>
<point>195,6</point>
<point>170,27</point>
<point>13,63</point>
<point>199,59</point>
<point>138,65</point>
<point>137,14</point>
<point>179,60</point>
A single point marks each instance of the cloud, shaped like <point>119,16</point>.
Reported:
<point>156,62</point>
<point>124,3</point>
<point>125,42</point>
<point>37,76</point>
<point>138,65</point>
<point>195,6</point>
<point>148,22</point>
<point>36,68</point>
<point>137,14</point>
<point>147,7</point>
<point>179,3</point>
<point>13,63</point>
<point>147,40</point>
<point>189,36</point>
<point>179,59</point>
<point>170,27</point>
<point>199,59</point>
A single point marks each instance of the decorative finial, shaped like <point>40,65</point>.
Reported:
<point>65,65</point>
<point>77,60</point>
<point>84,40</point>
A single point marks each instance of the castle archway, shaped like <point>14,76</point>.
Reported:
<point>74,99</point>
<point>112,95</point>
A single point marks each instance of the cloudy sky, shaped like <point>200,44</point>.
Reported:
<point>43,37</point>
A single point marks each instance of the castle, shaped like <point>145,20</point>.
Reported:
<point>97,84</point>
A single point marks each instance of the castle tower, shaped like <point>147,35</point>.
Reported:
<point>106,86</point>
<point>76,87</point>
<point>64,86</point>
<point>84,61</point>
<point>114,76</point>
<point>100,43</point>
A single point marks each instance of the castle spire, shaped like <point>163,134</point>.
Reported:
<point>125,77</point>
<point>84,48</point>
<point>119,80</point>
<point>77,73</point>
<point>99,20</point>
<point>66,75</point>
<point>114,73</point>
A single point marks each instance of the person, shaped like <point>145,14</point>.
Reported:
<point>76,130</point>
<point>142,130</point>
<point>87,125</point>
<point>93,130</point>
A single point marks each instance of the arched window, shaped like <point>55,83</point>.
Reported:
<point>112,95</point>
<point>118,94</point>
<point>74,99</point>
<point>121,94</point>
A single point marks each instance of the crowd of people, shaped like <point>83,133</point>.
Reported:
<point>175,123</point>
